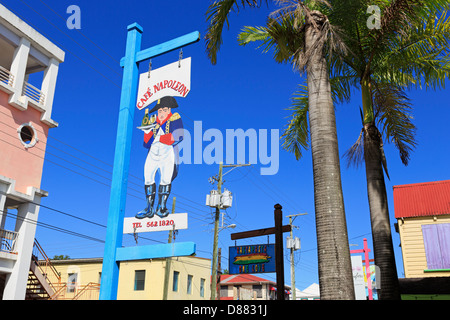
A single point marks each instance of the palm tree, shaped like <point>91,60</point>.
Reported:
<point>314,34</point>
<point>399,57</point>
<point>409,50</point>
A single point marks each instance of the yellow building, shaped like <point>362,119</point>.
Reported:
<point>422,211</point>
<point>188,279</point>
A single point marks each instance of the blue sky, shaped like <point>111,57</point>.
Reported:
<point>246,89</point>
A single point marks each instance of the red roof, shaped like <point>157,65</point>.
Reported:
<point>422,199</point>
<point>242,278</point>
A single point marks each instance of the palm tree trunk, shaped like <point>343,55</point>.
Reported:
<point>379,212</point>
<point>379,215</point>
<point>335,272</point>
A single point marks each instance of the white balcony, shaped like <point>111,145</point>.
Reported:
<point>6,77</point>
<point>8,241</point>
<point>23,53</point>
<point>33,93</point>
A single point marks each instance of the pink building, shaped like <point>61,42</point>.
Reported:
<point>25,120</point>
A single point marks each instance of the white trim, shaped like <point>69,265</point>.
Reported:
<point>21,28</point>
<point>12,193</point>
<point>33,140</point>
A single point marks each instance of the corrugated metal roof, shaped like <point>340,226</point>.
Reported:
<point>422,199</point>
<point>241,278</point>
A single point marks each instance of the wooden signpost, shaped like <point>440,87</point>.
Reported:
<point>278,231</point>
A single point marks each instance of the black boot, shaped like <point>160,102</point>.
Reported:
<point>163,195</point>
<point>150,193</point>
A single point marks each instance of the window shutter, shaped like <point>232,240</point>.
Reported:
<point>432,247</point>
<point>444,243</point>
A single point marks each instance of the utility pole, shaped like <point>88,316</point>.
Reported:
<point>294,293</point>
<point>168,260</point>
<point>216,238</point>
<point>219,271</point>
<point>216,226</point>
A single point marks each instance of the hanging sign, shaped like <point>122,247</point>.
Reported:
<point>255,258</point>
<point>175,221</point>
<point>171,80</point>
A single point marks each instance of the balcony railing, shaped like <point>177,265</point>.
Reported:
<point>33,93</point>
<point>90,291</point>
<point>8,241</point>
<point>28,89</point>
<point>6,77</point>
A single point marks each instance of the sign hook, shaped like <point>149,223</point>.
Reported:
<point>180,57</point>
<point>149,68</point>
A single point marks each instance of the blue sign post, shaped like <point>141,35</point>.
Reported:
<point>113,252</point>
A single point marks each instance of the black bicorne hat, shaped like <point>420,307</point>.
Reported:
<point>164,102</point>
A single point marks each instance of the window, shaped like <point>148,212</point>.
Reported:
<point>258,289</point>
<point>139,280</point>
<point>176,275</point>
<point>224,291</point>
<point>202,287</point>
<point>27,135</point>
<point>436,238</point>
<point>189,284</point>
<point>72,282</point>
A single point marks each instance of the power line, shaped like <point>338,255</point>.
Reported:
<point>81,174</point>
<point>79,31</point>
<point>102,75</point>
<point>52,227</point>
<point>87,50</point>
<point>75,55</point>
<point>95,166</point>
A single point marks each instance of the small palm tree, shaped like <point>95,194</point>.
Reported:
<point>409,50</point>
<point>314,34</point>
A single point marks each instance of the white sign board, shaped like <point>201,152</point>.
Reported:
<point>174,221</point>
<point>358,278</point>
<point>171,80</point>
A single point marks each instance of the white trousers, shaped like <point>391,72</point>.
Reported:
<point>162,157</point>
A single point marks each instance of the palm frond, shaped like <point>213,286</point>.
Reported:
<point>393,112</point>
<point>296,136</point>
<point>397,19</point>
<point>421,58</point>
<point>342,84</point>
<point>278,35</point>
<point>355,154</point>
<point>285,30</point>
<point>217,16</point>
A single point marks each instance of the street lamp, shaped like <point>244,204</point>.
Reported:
<point>231,226</point>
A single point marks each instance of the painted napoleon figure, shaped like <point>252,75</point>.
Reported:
<point>162,133</point>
